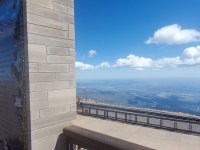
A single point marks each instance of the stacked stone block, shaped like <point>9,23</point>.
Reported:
<point>51,73</point>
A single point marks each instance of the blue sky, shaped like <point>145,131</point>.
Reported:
<point>9,14</point>
<point>137,38</point>
<point>8,17</point>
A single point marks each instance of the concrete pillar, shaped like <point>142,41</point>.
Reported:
<point>50,61</point>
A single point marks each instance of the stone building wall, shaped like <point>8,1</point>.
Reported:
<point>51,85</point>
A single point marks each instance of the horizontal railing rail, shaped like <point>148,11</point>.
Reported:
<point>82,139</point>
<point>150,112</point>
<point>171,122</point>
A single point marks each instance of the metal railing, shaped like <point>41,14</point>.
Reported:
<point>83,139</point>
<point>189,125</point>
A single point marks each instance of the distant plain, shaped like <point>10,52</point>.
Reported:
<point>170,94</point>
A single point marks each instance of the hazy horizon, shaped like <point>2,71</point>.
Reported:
<point>139,78</point>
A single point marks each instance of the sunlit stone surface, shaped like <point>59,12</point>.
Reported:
<point>145,136</point>
<point>50,61</point>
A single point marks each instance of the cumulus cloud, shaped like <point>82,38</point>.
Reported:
<point>83,66</point>
<point>92,53</point>
<point>167,62</point>
<point>134,61</point>
<point>103,65</point>
<point>174,34</point>
<point>190,57</point>
<point>192,52</point>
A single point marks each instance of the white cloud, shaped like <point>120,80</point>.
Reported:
<point>134,61</point>
<point>174,34</point>
<point>103,65</point>
<point>82,66</point>
<point>190,57</point>
<point>140,69</point>
<point>168,62</point>
<point>192,52</point>
<point>92,53</point>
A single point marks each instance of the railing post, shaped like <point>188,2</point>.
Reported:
<point>89,111</point>
<point>190,126</point>
<point>126,117</point>
<point>105,114</point>
<point>97,112</point>
<point>148,120</point>
<point>136,119</point>
<point>161,123</point>
<point>175,125</point>
<point>82,109</point>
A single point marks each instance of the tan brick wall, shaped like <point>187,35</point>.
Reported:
<point>51,59</point>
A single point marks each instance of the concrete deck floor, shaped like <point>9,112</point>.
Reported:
<point>149,137</point>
